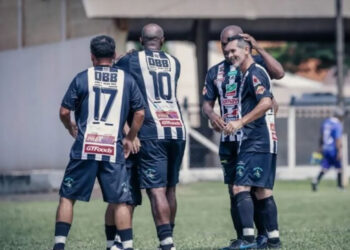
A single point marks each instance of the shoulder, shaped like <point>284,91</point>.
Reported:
<point>217,67</point>
<point>258,71</point>
<point>173,57</point>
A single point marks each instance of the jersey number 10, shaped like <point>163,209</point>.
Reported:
<point>159,80</point>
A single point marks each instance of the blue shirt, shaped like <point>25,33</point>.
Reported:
<point>259,135</point>
<point>331,130</point>
<point>101,98</point>
<point>157,73</point>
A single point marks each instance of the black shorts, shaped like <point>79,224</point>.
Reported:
<point>132,165</point>
<point>256,169</point>
<point>228,153</point>
<point>160,162</point>
<point>79,179</point>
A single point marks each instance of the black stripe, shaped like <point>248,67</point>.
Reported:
<point>167,132</point>
<point>105,157</point>
<point>179,133</point>
<point>91,157</point>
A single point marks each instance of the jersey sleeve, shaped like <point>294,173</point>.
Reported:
<point>260,84</point>
<point>70,99</point>
<point>209,90</point>
<point>136,100</point>
<point>338,130</point>
<point>123,63</point>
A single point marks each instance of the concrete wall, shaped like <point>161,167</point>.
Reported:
<point>33,82</point>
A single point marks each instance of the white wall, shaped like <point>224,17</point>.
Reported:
<point>33,82</point>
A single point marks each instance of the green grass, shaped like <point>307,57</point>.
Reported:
<point>307,220</point>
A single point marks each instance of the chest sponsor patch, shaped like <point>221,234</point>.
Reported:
<point>230,102</point>
<point>102,139</point>
<point>170,123</point>
<point>97,149</point>
<point>231,89</point>
<point>167,114</point>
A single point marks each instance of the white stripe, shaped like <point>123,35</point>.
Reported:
<point>60,239</point>
<point>148,81</point>
<point>173,89</point>
<point>110,243</point>
<point>167,241</point>
<point>273,234</point>
<point>248,231</point>
<point>127,244</point>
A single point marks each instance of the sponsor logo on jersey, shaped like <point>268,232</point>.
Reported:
<point>260,90</point>
<point>170,123</point>
<point>256,81</point>
<point>103,139</point>
<point>273,132</point>
<point>156,63</point>
<point>232,113</point>
<point>96,149</point>
<point>231,89</point>
<point>232,73</point>
<point>167,114</point>
<point>221,71</point>
<point>257,172</point>
<point>230,102</point>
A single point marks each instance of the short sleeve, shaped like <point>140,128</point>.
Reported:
<point>338,130</point>
<point>123,63</point>
<point>260,84</point>
<point>70,99</point>
<point>209,89</point>
<point>136,100</point>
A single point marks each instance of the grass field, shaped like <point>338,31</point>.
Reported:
<point>307,220</point>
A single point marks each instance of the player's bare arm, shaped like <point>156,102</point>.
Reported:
<point>135,127</point>
<point>275,106</point>
<point>136,144</point>
<point>274,68</point>
<point>264,105</point>
<point>339,146</point>
<point>216,120</point>
<point>68,124</point>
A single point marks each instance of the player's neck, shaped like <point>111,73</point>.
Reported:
<point>103,62</point>
<point>246,64</point>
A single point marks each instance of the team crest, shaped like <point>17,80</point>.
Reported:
<point>240,170</point>
<point>260,90</point>
<point>68,182</point>
<point>257,172</point>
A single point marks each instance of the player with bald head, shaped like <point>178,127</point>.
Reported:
<point>223,82</point>
<point>163,133</point>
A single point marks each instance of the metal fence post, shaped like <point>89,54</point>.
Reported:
<point>291,138</point>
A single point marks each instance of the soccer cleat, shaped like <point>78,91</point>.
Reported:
<point>240,244</point>
<point>117,246</point>
<point>274,245</point>
<point>261,242</point>
<point>166,247</point>
<point>314,187</point>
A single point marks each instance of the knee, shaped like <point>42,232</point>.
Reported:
<point>262,193</point>
<point>238,189</point>
<point>66,202</point>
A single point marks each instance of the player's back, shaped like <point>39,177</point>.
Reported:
<point>331,131</point>
<point>157,74</point>
<point>100,98</point>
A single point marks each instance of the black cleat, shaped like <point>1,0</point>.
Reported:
<point>240,244</point>
<point>261,242</point>
<point>274,244</point>
<point>314,187</point>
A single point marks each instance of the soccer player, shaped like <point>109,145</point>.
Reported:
<point>331,147</point>
<point>223,82</point>
<point>101,98</point>
<point>162,135</point>
<point>256,164</point>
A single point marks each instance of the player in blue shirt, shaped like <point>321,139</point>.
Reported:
<point>101,98</point>
<point>256,164</point>
<point>223,83</point>
<point>331,147</point>
<point>163,132</point>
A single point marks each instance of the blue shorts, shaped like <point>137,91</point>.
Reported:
<point>79,179</point>
<point>132,167</point>
<point>330,159</point>
<point>256,169</point>
<point>228,153</point>
<point>160,162</point>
